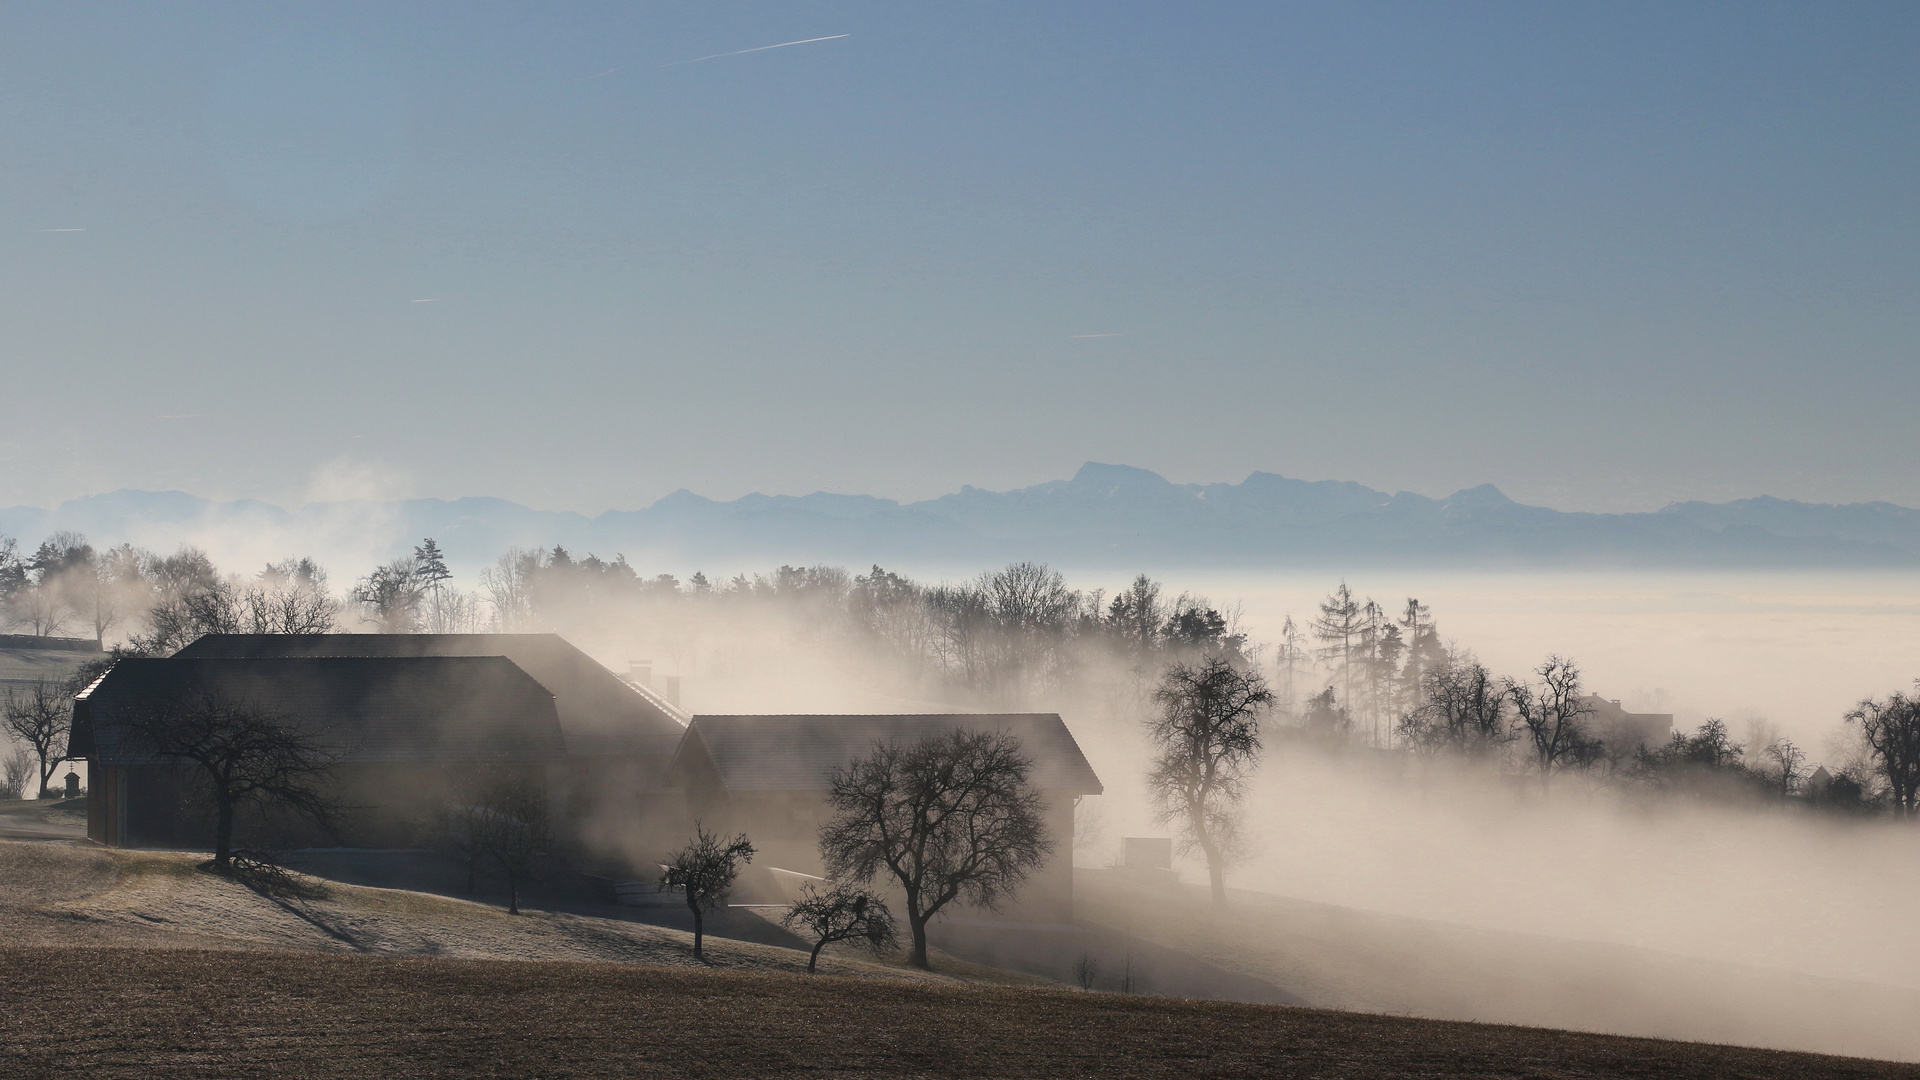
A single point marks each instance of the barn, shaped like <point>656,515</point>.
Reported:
<point>625,774</point>
<point>396,728</point>
<point>607,791</point>
<point>602,776</point>
<point>768,776</point>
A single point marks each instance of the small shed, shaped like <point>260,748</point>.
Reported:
<point>768,776</point>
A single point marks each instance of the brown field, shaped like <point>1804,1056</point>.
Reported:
<point>106,1013</point>
<point>136,964</point>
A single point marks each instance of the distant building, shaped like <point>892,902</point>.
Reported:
<point>768,776</point>
<point>1626,731</point>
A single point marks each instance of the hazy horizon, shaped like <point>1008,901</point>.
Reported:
<point>347,481</point>
<point>1603,258</point>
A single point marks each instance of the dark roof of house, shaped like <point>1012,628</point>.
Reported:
<point>801,753</point>
<point>600,714</point>
<point>366,709</point>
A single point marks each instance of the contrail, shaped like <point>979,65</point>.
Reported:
<point>59,230</point>
<point>428,300</point>
<point>762,48</point>
<point>602,75</point>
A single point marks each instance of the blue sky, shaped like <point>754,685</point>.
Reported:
<point>1604,256</point>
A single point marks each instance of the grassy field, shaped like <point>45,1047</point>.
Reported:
<point>109,1013</point>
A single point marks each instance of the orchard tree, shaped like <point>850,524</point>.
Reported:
<point>498,814</point>
<point>40,715</point>
<point>248,755</point>
<point>951,817</point>
<point>704,872</point>
<point>842,913</point>
<point>1208,741</point>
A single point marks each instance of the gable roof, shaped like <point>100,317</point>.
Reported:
<point>367,709</point>
<point>802,752</point>
<point>600,714</point>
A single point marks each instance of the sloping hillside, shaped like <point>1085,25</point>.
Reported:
<point>59,894</point>
<point>119,1013</point>
<point>1341,958</point>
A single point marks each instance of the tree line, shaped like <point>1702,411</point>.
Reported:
<point>1358,674</point>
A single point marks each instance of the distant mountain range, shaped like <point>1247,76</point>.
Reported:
<point>1106,516</point>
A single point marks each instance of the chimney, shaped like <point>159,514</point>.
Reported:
<point>640,673</point>
<point>673,691</point>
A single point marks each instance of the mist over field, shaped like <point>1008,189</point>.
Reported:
<point>1450,467</point>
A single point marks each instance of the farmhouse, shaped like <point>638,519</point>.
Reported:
<point>768,776</point>
<point>607,792</point>
<point>1627,730</point>
<point>396,727</point>
<point>625,775</point>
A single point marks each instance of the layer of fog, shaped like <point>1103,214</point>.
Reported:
<point>1749,884</point>
<point>1752,884</point>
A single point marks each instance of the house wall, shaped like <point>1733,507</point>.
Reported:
<point>612,814</point>
<point>107,806</point>
<point>385,806</point>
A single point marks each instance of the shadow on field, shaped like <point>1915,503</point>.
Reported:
<point>558,889</point>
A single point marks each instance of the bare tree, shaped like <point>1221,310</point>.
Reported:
<point>1208,736</point>
<point>507,822</point>
<point>1891,729</point>
<point>116,587</point>
<point>16,768</point>
<point>1791,761</point>
<point>510,590</point>
<point>1552,717</point>
<point>462,832</point>
<point>41,608</point>
<point>391,596</point>
<point>41,716</point>
<point>951,817</point>
<point>285,598</point>
<point>842,913</point>
<point>249,756</point>
<point>704,871</point>
<point>1463,711</point>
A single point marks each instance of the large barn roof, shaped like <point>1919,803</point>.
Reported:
<point>801,753</point>
<point>599,713</point>
<point>407,709</point>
